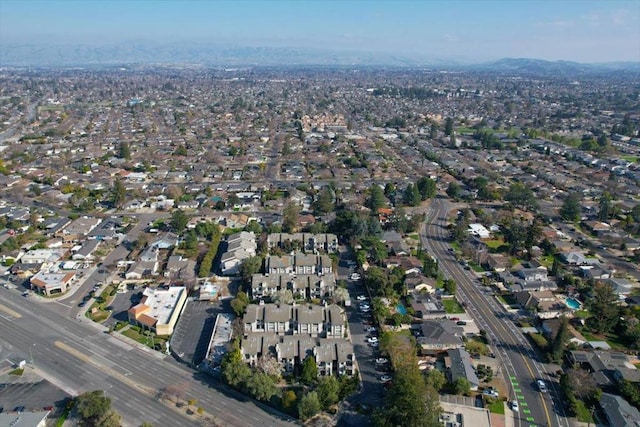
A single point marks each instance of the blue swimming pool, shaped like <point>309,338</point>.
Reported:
<point>401,309</point>
<point>572,303</point>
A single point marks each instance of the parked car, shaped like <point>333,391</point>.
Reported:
<point>514,406</point>
<point>461,323</point>
<point>385,378</point>
<point>19,409</point>
<point>541,386</point>
<point>361,298</point>
<point>25,294</point>
<point>381,360</point>
<point>355,276</point>
<point>491,392</point>
<point>371,340</point>
<point>372,329</point>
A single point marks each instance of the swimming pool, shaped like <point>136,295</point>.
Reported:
<point>572,303</point>
<point>401,309</point>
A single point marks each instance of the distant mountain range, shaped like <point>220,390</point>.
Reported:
<point>212,54</point>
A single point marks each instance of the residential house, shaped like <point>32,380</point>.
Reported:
<point>621,286</point>
<point>606,367</point>
<point>459,365</point>
<point>543,303</point>
<point>299,263</point>
<point>240,246</point>
<point>85,252</point>
<point>427,307</point>
<point>435,336</point>
<point>619,412</point>
<point>304,286</point>
<point>78,229</point>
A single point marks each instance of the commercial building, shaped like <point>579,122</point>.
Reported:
<point>159,309</point>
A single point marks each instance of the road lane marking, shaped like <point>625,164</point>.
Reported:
<point>10,312</point>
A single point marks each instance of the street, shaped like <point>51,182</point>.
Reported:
<point>522,367</point>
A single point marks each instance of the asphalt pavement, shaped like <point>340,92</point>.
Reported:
<point>78,356</point>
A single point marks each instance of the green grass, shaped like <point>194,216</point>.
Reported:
<point>630,158</point>
<point>475,346</point>
<point>60,421</point>
<point>540,341</point>
<point>451,306</point>
<point>17,372</point>
<point>547,261</point>
<point>477,268</point>
<point>414,236</point>
<point>582,314</point>
<point>494,244</point>
<point>497,407</point>
<point>583,413</point>
<point>455,246</point>
<point>134,334</point>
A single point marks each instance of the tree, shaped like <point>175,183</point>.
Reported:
<point>94,408</point>
<point>308,406</point>
<point>603,307</point>
<point>605,207</point>
<point>309,372</point>
<point>249,267</point>
<point>426,187</point>
<point>521,196</point>
<point>290,217</point>
<point>411,195</point>
<point>453,190</point>
<point>328,391</point>
<point>448,126</point>
<point>240,303</point>
<point>560,340</point>
<point>270,366</point>
<point>323,202</point>
<point>376,199</point>
<point>124,151</point>
<point>118,193</point>
<point>462,386</point>
<point>570,210</point>
<point>450,286</point>
<point>179,220</point>
<point>289,399</point>
<point>283,296</point>
<point>436,379</point>
<point>433,131</point>
<point>261,386</point>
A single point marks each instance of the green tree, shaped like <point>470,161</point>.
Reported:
<point>436,379</point>
<point>323,202</point>
<point>411,195</point>
<point>118,193</point>
<point>453,190</point>
<point>124,151</point>
<point>570,210</point>
<point>605,207</point>
<point>249,267</point>
<point>309,372</point>
<point>240,303</point>
<point>427,188</point>
<point>521,196</point>
<point>462,386</point>
<point>376,199</point>
<point>261,386</point>
<point>433,131</point>
<point>289,400</point>
<point>450,286</point>
<point>179,220</point>
<point>603,308</point>
<point>448,126</point>
<point>560,340</point>
<point>94,409</point>
<point>290,217</point>
<point>308,406</point>
<point>328,391</point>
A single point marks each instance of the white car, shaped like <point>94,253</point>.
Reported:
<point>355,276</point>
<point>514,406</point>
<point>542,386</point>
<point>381,360</point>
<point>385,378</point>
<point>365,306</point>
<point>361,298</point>
<point>371,340</point>
<point>372,329</point>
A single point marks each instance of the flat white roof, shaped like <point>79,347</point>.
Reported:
<point>162,302</point>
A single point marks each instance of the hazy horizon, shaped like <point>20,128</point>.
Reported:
<point>463,31</point>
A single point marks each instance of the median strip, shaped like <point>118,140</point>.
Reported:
<point>10,312</point>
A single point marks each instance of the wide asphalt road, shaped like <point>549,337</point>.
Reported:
<point>521,367</point>
<point>79,356</point>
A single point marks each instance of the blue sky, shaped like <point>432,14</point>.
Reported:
<point>472,30</point>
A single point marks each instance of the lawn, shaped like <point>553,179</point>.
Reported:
<point>477,268</point>
<point>547,261</point>
<point>452,306</point>
<point>582,314</point>
<point>494,244</point>
<point>149,341</point>
<point>630,158</point>
<point>583,413</point>
<point>497,407</point>
<point>17,372</point>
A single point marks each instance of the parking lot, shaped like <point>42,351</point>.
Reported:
<point>120,305</point>
<point>30,391</point>
<point>193,331</point>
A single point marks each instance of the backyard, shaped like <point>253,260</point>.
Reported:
<point>452,306</point>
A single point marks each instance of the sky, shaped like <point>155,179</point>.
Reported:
<point>471,30</point>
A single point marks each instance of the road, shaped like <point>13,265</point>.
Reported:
<point>521,367</point>
<point>79,356</point>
